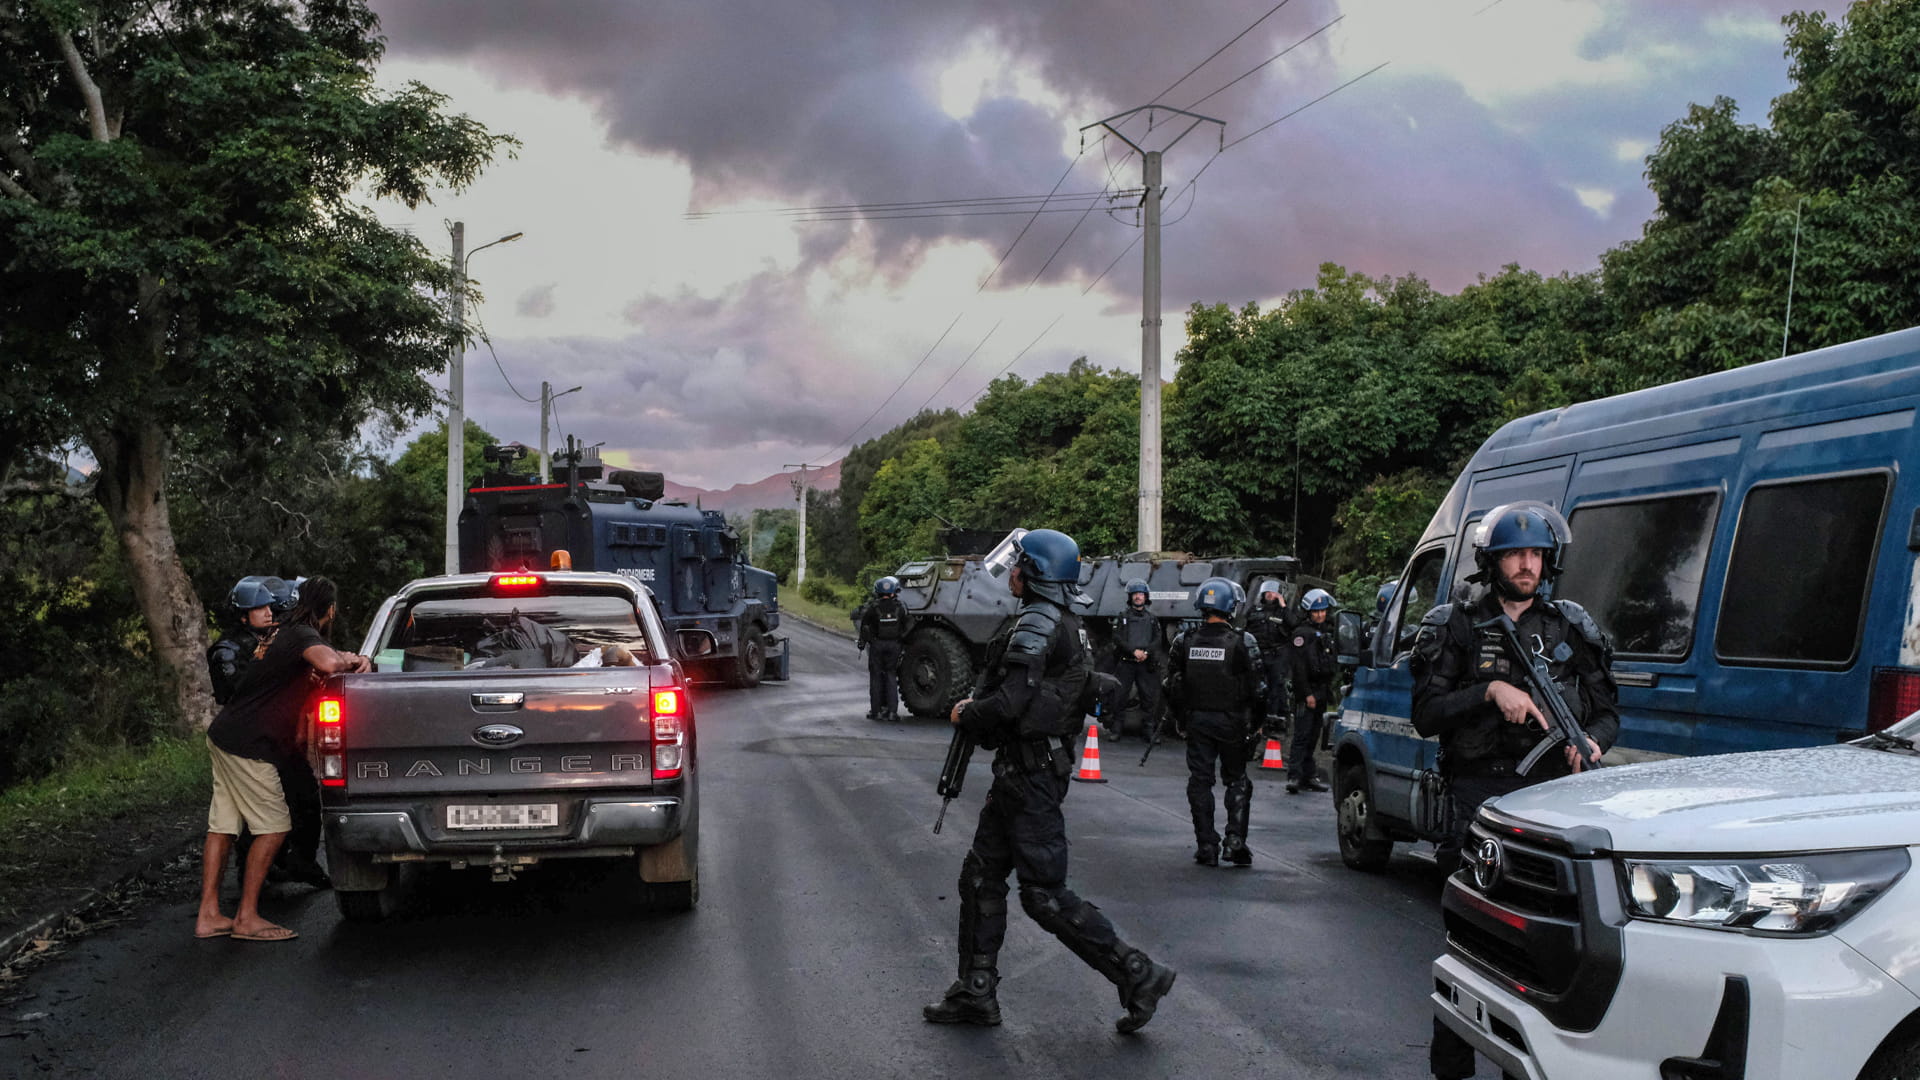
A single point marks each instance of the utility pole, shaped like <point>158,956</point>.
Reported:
<point>456,406</point>
<point>1787,327</point>
<point>546,409</point>
<point>1150,200</point>
<point>800,553</point>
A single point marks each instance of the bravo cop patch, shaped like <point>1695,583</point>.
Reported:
<point>1206,653</point>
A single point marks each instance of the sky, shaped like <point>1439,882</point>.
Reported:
<point>721,348</point>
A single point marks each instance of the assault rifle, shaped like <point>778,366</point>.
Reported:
<point>1562,727</point>
<point>953,774</point>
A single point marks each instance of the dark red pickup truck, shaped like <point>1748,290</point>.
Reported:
<point>511,719</point>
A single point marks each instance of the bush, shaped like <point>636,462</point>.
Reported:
<point>823,590</point>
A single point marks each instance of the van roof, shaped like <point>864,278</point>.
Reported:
<point>1870,368</point>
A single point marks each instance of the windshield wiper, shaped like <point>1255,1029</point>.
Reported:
<point>1886,740</point>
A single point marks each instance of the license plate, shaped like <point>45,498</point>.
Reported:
<point>504,816</point>
<point>1470,1007</point>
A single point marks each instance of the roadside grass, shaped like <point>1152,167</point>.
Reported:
<point>833,615</point>
<point>102,808</point>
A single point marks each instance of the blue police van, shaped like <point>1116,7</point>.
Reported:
<point>1747,538</point>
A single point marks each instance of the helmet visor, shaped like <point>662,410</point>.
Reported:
<point>1004,555</point>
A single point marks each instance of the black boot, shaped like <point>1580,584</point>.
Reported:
<point>970,1000</point>
<point>1235,849</point>
<point>1144,984</point>
<point>1207,855</point>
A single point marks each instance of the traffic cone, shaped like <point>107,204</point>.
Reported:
<point>1090,758</point>
<point>1270,759</point>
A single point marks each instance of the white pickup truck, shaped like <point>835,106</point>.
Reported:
<point>1738,917</point>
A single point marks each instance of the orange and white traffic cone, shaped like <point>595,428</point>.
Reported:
<point>1090,758</point>
<point>1270,759</point>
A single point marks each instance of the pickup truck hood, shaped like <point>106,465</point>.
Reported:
<point>1813,799</point>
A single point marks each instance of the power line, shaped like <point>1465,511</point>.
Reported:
<point>1296,112</point>
<point>1324,27</point>
<point>958,213</point>
<point>1221,49</point>
<point>496,363</point>
<point>918,204</point>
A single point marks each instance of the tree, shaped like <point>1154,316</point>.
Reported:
<point>183,249</point>
<point>899,517</point>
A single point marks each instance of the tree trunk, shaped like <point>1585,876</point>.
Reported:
<point>132,486</point>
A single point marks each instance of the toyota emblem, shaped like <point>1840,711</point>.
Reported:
<point>497,734</point>
<point>1489,861</point>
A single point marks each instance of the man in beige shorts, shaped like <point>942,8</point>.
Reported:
<point>257,729</point>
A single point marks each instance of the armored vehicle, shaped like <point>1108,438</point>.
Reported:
<point>959,603</point>
<point>616,520</point>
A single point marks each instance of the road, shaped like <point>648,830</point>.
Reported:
<point>826,919</point>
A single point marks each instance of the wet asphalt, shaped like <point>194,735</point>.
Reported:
<point>826,919</point>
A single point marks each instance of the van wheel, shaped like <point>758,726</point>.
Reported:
<point>1899,1059</point>
<point>751,665</point>
<point>1359,848</point>
<point>935,671</point>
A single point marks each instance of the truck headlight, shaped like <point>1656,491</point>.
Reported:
<point>1790,894</point>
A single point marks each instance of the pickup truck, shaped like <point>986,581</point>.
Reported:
<point>1730,917</point>
<point>511,718</point>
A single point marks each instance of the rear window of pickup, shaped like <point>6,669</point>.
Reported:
<point>524,631</point>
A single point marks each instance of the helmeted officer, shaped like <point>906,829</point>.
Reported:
<point>883,623</point>
<point>249,622</point>
<point>1465,690</point>
<point>1314,669</point>
<point>1215,677</point>
<point>1139,651</point>
<point>1271,624</point>
<point>1026,708</point>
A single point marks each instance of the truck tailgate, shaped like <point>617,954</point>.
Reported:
<point>472,732</point>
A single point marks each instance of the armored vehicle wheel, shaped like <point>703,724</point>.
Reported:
<point>1353,802</point>
<point>372,905</point>
<point>935,671</point>
<point>751,665</point>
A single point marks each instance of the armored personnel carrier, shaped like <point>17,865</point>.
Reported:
<point>959,603</point>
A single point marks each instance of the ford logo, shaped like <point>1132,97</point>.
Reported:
<point>1488,864</point>
<point>497,734</point>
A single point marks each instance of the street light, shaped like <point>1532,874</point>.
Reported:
<point>456,389</point>
<point>547,397</point>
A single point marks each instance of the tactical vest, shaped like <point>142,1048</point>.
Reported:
<point>889,620</point>
<point>1065,676</point>
<point>1138,631</point>
<point>1215,674</point>
<point>1314,643</point>
<point>228,660</point>
<point>1268,627</point>
<point>1544,633</point>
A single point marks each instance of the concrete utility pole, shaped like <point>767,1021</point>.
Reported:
<point>456,406</point>
<point>800,554</point>
<point>546,408</point>
<point>1149,519</point>
<point>456,391</point>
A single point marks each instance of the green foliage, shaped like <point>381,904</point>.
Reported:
<point>899,517</point>
<point>833,536</point>
<point>1379,525</point>
<point>782,554</point>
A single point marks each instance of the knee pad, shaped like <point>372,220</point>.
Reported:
<point>1042,905</point>
<point>977,887</point>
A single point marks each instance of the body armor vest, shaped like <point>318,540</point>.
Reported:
<point>1216,670</point>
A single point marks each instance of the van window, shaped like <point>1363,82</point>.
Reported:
<point>1798,578</point>
<point>1638,566</point>
<point>1417,594</point>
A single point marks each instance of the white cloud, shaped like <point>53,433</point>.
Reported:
<point>1598,200</point>
<point>1632,149</point>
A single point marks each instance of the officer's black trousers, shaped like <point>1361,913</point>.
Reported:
<point>1279,670</point>
<point>1214,740</point>
<point>1449,1056</point>
<point>1301,767</point>
<point>1022,832</point>
<point>883,677</point>
<point>303,803</point>
<point>1146,678</point>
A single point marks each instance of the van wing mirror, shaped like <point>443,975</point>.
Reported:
<point>695,643</point>
<point>1349,633</point>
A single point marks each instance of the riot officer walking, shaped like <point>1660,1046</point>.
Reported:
<point>1139,649</point>
<point>1271,625</point>
<point>883,623</point>
<point>1314,668</point>
<point>1465,690</point>
<point>1026,708</point>
<point>1215,680</point>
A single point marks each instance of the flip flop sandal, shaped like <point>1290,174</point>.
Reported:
<point>277,934</point>
<point>217,933</point>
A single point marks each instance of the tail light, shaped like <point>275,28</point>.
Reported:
<point>1893,696</point>
<point>329,737</point>
<point>669,733</point>
<point>516,582</point>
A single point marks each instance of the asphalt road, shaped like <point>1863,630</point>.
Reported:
<point>826,919</point>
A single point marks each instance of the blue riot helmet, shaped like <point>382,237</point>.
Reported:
<point>1516,526</point>
<point>249,593</point>
<point>1217,596</point>
<point>887,586</point>
<point>1138,587</point>
<point>1049,564</point>
<point>1384,597</point>
<point>1316,600</point>
<point>285,594</point>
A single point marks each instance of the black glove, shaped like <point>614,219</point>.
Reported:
<point>860,646</point>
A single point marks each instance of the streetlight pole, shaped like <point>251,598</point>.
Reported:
<point>546,407</point>
<point>456,391</point>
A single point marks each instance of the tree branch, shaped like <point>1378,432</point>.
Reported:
<point>89,90</point>
<point>15,190</point>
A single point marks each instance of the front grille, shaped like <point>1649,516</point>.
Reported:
<point>1543,925</point>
